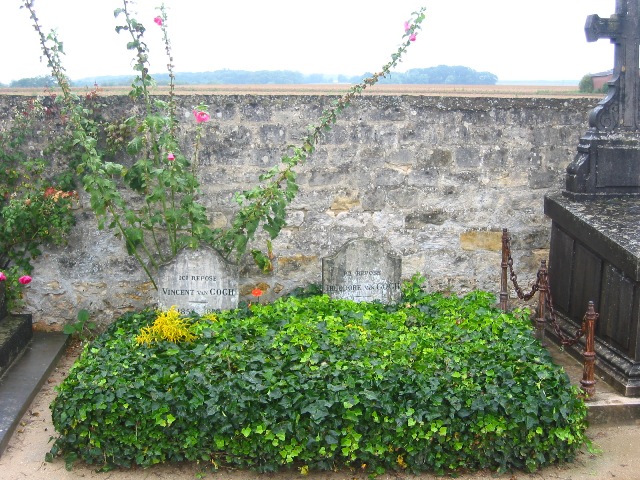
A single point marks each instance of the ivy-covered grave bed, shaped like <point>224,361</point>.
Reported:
<point>436,383</point>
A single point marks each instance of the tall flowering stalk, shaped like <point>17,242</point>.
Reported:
<point>97,175</point>
<point>162,174</point>
<point>266,204</point>
<point>167,216</point>
<point>163,216</point>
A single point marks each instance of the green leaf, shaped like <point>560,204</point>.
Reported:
<point>135,145</point>
<point>262,260</point>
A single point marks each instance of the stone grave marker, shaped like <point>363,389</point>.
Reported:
<point>198,280</point>
<point>608,159</point>
<point>362,271</point>
<point>594,249</point>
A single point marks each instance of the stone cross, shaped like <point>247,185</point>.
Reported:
<point>619,110</point>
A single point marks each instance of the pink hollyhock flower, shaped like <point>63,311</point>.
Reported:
<point>412,37</point>
<point>3,277</point>
<point>201,116</point>
<point>158,21</point>
<point>25,279</point>
<point>171,157</point>
<point>407,26</point>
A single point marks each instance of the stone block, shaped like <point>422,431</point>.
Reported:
<point>273,134</point>
<point>343,204</point>
<point>423,219</point>
<point>481,240</point>
<point>255,111</point>
<point>293,263</point>
<point>468,157</point>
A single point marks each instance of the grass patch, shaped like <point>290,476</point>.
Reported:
<point>435,383</point>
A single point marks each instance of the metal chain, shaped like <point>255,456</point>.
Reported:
<point>566,341</point>
<point>514,278</point>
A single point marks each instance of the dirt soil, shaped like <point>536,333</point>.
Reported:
<point>24,456</point>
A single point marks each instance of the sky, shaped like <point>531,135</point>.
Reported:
<point>515,40</point>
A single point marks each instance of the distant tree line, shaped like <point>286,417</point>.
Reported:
<point>586,85</point>
<point>442,74</point>
<point>44,81</point>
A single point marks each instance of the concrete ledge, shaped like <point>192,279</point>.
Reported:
<point>24,378</point>
<point>607,406</point>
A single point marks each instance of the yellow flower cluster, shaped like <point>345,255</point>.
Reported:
<point>169,325</point>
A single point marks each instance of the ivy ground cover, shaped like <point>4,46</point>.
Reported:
<point>435,383</point>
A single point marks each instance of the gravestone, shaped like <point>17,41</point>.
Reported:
<point>595,230</point>
<point>608,158</point>
<point>198,280</point>
<point>362,271</point>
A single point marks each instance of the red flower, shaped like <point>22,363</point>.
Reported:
<point>256,292</point>
<point>171,157</point>
<point>25,279</point>
<point>3,277</point>
<point>158,21</point>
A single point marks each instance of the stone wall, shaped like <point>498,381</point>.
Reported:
<point>434,178</point>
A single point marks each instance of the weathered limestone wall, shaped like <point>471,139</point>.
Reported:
<point>435,178</point>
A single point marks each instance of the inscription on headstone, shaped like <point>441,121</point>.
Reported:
<point>362,271</point>
<point>198,280</point>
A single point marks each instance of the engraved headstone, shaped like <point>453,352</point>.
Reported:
<point>198,280</point>
<point>362,271</point>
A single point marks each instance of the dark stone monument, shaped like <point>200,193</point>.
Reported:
<point>362,271</point>
<point>595,231</point>
<point>198,280</point>
<point>15,333</point>
<point>608,159</point>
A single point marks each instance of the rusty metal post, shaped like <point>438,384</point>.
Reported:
<point>504,293</point>
<point>543,283</point>
<point>588,382</point>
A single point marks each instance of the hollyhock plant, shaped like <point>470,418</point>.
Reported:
<point>157,226</point>
<point>201,116</point>
<point>408,29</point>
